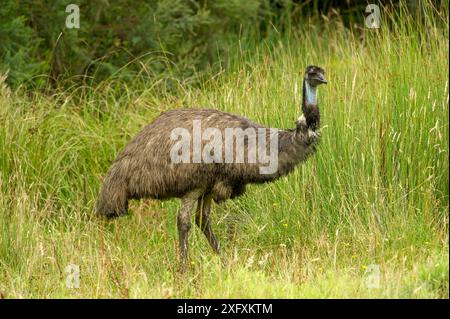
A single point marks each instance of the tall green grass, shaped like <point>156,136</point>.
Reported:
<point>376,192</point>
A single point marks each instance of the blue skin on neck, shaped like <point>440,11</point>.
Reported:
<point>310,94</point>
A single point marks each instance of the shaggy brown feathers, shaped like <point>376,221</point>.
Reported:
<point>144,170</point>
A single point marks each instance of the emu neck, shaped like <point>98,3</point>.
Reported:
<point>309,107</point>
<point>309,94</point>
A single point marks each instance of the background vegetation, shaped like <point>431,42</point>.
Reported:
<point>120,39</point>
<point>376,193</point>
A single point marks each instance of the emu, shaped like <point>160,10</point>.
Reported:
<point>145,168</point>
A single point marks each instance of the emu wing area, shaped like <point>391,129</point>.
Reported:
<point>149,171</point>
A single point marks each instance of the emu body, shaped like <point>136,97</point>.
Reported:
<point>144,168</point>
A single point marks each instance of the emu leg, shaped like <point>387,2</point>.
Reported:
<point>203,221</point>
<point>184,225</point>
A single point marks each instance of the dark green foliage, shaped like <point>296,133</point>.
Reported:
<point>176,38</point>
<point>119,38</point>
<point>18,46</point>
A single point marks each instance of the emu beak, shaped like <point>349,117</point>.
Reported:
<point>322,79</point>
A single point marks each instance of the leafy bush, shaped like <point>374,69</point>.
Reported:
<point>17,46</point>
<point>152,37</point>
<point>177,38</point>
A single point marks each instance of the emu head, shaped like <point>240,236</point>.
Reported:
<point>315,76</point>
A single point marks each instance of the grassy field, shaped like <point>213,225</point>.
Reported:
<point>374,195</point>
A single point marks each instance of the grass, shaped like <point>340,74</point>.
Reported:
<point>375,193</point>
